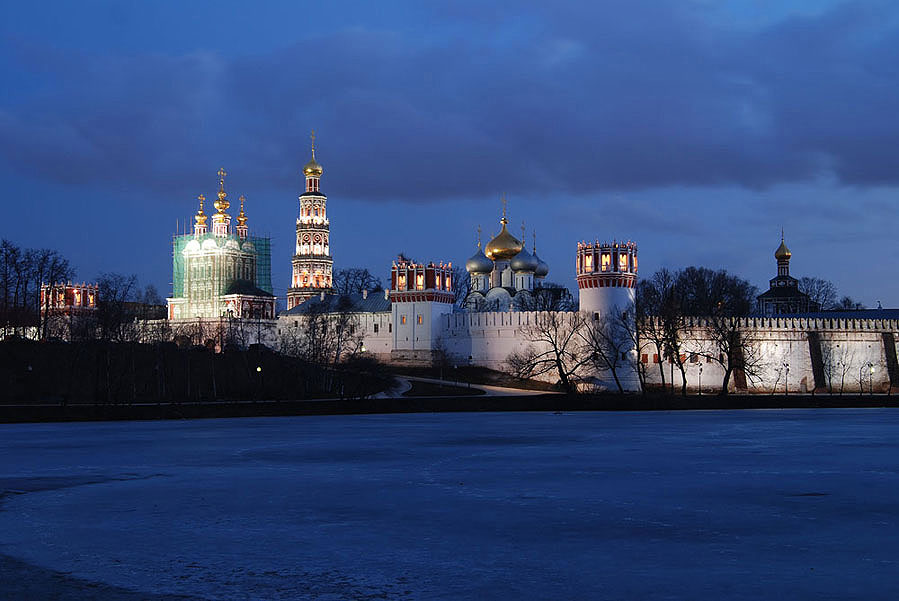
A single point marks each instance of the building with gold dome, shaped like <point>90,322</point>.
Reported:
<point>783,296</point>
<point>225,273</point>
<point>312,264</point>
<point>504,274</point>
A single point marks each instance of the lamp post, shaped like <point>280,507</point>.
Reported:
<point>700,380</point>
<point>786,379</point>
<point>871,378</point>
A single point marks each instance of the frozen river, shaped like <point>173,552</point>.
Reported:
<point>689,505</point>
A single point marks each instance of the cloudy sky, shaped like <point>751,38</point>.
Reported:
<point>698,128</point>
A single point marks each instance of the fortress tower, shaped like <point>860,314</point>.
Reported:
<point>606,276</point>
<point>419,295</point>
<point>312,262</point>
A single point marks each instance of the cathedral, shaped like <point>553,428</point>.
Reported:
<point>225,273</point>
<point>504,275</point>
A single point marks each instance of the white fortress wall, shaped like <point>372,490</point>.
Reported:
<point>853,355</point>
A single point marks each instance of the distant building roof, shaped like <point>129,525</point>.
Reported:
<point>246,288</point>
<point>351,303</point>
<point>845,314</point>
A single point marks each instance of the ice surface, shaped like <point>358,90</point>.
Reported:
<point>687,505</point>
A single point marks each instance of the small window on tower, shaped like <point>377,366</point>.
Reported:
<point>588,262</point>
<point>402,319</point>
<point>420,282</point>
<point>622,262</point>
<point>376,328</point>
<point>606,260</point>
<point>419,320</point>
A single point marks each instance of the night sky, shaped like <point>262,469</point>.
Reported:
<point>697,129</point>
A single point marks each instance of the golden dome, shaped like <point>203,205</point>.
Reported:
<point>504,246</point>
<point>222,204</point>
<point>200,217</point>
<point>312,167</point>
<point>782,253</point>
<point>241,217</point>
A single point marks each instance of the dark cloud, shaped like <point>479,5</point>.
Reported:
<point>570,98</point>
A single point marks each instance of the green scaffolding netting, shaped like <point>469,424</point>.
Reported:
<point>263,263</point>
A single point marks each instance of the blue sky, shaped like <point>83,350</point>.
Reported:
<point>697,129</point>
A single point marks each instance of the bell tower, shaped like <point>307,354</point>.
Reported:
<point>312,263</point>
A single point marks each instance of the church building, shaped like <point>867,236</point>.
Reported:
<point>225,273</point>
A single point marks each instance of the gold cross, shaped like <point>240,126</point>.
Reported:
<point>201,198</point>
<point>479,236</point>
<point>312,136</point>
<point>222,173</point>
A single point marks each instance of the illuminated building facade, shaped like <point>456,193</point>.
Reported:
<point>225,273</point>
<point>312,263</point>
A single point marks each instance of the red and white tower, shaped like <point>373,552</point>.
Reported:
<point>419,296</point>
<point>312,262</point>
<point>606,276</point>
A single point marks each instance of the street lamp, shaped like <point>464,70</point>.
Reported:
<point>871,378</point>
<point>700,380</point>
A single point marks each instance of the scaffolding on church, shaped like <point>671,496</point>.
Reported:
<point>263,263</point>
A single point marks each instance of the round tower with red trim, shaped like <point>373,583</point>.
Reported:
<point>606,276</point>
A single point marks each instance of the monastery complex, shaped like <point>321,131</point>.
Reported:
<point>223,275</point>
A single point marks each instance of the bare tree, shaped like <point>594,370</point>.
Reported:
<point>821,292</point>
<point>608,340</point>
<point>353,280</point>
<point>556,346</point>
<point>725,300</point>
<point>848,304</point>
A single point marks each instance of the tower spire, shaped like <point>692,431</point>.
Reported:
<point>200,218</point>
<point>479,235</point>
<point>312,137</point>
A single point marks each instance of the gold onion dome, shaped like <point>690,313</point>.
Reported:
<point>312,167</point>
<point>504,246</point>
<point>241,217</point>
<point>200,217</point>
<point>221,203</point>
<point>782,253</point>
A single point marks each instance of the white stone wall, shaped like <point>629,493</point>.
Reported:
<point>850,349</point>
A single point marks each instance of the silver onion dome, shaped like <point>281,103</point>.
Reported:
<point>542,268</point>
<point>479,263</point>
<point>523,261</point>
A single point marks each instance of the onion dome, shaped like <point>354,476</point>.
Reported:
<point>504,246</point>
<point>479,263</point>
<point>200,217</point>
<point>542,268</point>
<point>782,253</point>
<point>524,261</point>
<point>241,217</point>
<point>312,167</point>
<point>221,203</point>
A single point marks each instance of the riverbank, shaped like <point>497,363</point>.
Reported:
<point>531,402</point>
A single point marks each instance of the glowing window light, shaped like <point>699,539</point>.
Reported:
<point>420,281</point>
<point>622,262</point>
<point>606,261</point>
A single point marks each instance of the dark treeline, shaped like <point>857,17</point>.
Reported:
<point>127,373</point>
<point>22,270</point>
